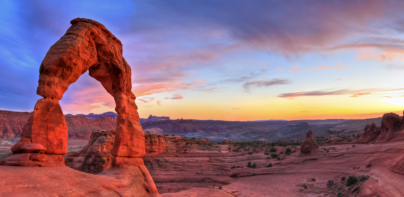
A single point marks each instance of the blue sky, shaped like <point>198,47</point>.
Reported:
<point>228,60</point>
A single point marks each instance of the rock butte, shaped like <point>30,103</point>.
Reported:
<point>87,45</point>
<point>309,144</point>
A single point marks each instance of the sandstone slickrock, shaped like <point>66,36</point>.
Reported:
<point>309,144</point>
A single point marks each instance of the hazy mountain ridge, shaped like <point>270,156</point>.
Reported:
<point>80,127</point>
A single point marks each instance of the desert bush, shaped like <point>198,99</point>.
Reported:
<point>220,187</point>
<point>233,167</point>
<point>266,153</point>
<point>269,165</point>
<point>343,179</point>
<point>273,149</point>
<point>249,165</point>
<point>363,177</point>
<point>351,180</point>
<point>313,179</point>
<point>250,153</point>
<point>288,151</point>
<point>330,183</point>
<point>274,155</point>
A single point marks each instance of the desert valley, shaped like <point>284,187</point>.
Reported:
<point>334,158</point>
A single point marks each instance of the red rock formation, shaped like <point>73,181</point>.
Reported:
<point>309,144</point>
<point>392,128</point>
<point>370,134</point>
<point>87,45</point>
<point>96,156</point>
<point>390,124</point>
<point>155,144</point>
<point>229,142</point>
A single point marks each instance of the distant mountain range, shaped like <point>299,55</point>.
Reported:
<point>111,114</point>
<point>81,125</point>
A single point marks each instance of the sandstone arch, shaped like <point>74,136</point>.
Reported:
<point>87,45</point>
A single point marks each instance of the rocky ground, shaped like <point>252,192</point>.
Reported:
<point>204,171</point>
<point>371,164</point>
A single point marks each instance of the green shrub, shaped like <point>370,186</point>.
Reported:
<point>269,165</point>
<point>249,165</point>
<point>330,183</point>
<point>273,149</point>
<point>351,180</point>
<point>274,155</point>
<point>304,186</point>
<point>254,166</point>
<point>233,167</point>
<point>220,187</point>
<point>313,179</point>
<point>250,153</point>
<point>339,194</point>
<point>363,178</point>
<point>343,179</point>
<point>266,153</point>
<point>288,151</point>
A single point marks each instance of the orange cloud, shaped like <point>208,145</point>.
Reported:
<point>156,88</point>
<point>372,56</point>
<point>295,69</point>
<point>339,66</point>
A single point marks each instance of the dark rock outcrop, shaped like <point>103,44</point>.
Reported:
<point>370,134</point>
<point>392,127</point>
<point>309,144</point>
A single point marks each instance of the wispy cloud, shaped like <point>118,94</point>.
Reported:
<point>295,69</point>
<point>156,88</point>
<point>265,83</point>
<point>388,55</point>
<point>339,66</point>
<point>353,93</point>
<point>175,97</point>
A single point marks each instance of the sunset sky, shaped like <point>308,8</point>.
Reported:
<point>223,60</point>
